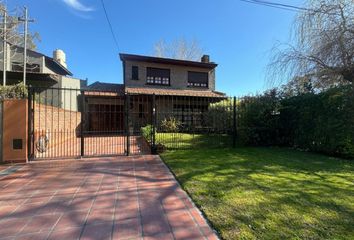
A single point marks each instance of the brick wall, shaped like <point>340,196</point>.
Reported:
<point>53,118</point>
<point>60,127</point>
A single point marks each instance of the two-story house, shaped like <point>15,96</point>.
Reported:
<point>182,89</point>
<point>42,72</point>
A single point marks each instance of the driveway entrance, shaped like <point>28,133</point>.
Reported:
<point>74,123</point>
<point>112,198</point>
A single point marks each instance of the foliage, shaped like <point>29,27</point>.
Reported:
<point>257,122</point>
<point>322,122</point>
<point>323,45</point>
<point>147,132</point>
<point>269,193</point>
<point>170,125</point>
<point>219,116</point>
<point>17,91</point>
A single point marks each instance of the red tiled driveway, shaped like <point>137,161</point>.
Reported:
<point>111,198</point>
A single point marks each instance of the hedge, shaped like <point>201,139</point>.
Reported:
<point>320,122</point>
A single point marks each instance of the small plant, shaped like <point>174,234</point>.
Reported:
<point>18,91</point>
<point>170,125</point>
<point>147,132</point>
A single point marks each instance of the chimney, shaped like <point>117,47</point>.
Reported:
<point>60,57</point>
<point>205,59</point>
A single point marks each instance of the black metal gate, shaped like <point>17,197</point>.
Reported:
<point>73,123</point>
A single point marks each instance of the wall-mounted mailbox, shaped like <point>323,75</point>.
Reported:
<point>17,144</point>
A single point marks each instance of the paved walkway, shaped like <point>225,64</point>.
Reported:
<point>112,198</point>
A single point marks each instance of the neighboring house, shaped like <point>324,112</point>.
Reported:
<point>184,88</point>
<point>41,71</point>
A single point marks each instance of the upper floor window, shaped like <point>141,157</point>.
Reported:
<point>16,66</point>
<point>158,76</point>
<point>198,79</point>
<point>135,73</point>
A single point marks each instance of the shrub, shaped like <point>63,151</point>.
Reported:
<point>219,116</point>
<point>257,121</point>
<point>170,125</point>
<point>321,122</point>
<point>147,132</point>
<point>18,91</point>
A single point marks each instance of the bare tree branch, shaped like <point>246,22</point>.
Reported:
<point>322,45</point>
<point>179,49</point>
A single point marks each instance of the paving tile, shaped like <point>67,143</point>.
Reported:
<point>180,219</point>
<point>127,229</point>
<point>6,210</point>
<point>33,236</point>
<point>72,219</point>
<point>160,236</point>
<point>66,234</point>
<point>124,198</point>
<point>188,233</point>
<point>100,231</point>
<point>41,223</point>
<point>12,226</point>
<point>154,224</point>
<point>100,216</point>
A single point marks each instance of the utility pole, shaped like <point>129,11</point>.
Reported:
<point>4,50</point>
<point>26,21</point>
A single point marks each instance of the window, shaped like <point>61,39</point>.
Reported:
<point>198,79</point>
<point>135,73</point>
<point>16,66</point>
<point>157,76</point>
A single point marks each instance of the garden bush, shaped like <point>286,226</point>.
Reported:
<point>219,116</point>
<point>257,119</point>
<point>170,125</point>
<point>147,132</point>
<point>320,122</point>
<point>18,91</point>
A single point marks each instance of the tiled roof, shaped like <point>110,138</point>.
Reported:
<point>174,92</point>
<point>112,87</point>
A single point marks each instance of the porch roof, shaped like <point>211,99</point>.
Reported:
<point>31,76</point>
<point>174,92</point>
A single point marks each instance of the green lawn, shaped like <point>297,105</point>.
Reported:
<point>269,193</point>
<point>188,141</point>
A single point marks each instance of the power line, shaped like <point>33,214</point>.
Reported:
<point>277,5</point>
<point>110,25</point>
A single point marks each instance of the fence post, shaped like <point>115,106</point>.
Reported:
<point>1,129</point>
<point>29,126</point>
<point>82,153</point>
<point>234,124</point>
<point>127,105</point>
<point>153,123</point>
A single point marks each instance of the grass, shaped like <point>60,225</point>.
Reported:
<point>188,141</point>
<point>269,193</point>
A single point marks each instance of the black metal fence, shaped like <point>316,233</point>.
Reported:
<point>77,122</point>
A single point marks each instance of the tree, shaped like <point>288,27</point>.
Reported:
<point>323,49</point>
<point>179,49</point>
<point>14,33</point>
